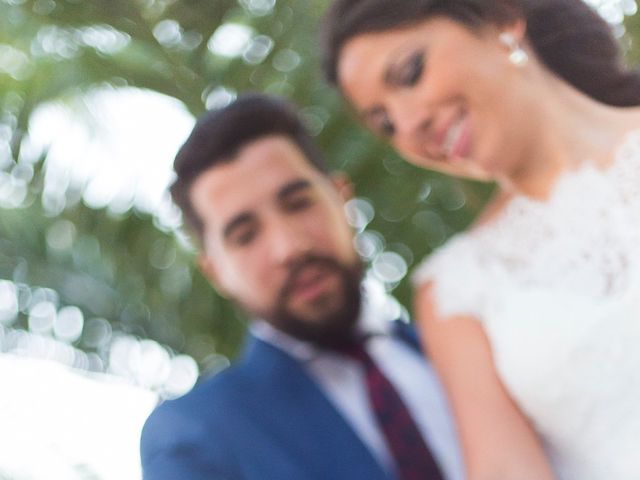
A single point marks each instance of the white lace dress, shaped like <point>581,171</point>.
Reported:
<point>556,286</point>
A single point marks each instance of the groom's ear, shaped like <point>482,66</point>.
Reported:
<point>342,185</point>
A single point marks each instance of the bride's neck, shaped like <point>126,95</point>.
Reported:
<point>568,128</point>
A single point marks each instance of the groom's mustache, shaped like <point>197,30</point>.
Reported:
<point>298,267</point>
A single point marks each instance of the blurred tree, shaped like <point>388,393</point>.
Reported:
<point>126,268</point>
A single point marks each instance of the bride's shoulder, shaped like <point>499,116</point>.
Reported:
<point>628,150</point>
<point>624,157</point>
<point>453,274</point>
<point>492,210</point>
<point>463,240</point>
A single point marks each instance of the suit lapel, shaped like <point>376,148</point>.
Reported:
<point>407,333</point>
<point>296,412</point>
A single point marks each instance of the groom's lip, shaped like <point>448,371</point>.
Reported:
<point>310,283</point>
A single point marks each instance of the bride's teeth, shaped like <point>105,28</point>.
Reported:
<point>451,137</point>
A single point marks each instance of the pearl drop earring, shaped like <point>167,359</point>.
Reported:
<point>517,55</point>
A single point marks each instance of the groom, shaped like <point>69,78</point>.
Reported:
<point>327,387</point>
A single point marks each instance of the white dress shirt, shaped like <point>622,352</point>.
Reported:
<point>342,380</point>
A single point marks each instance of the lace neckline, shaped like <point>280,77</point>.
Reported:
<point>628,150</point>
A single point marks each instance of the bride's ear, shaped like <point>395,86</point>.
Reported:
<point>517,29</point>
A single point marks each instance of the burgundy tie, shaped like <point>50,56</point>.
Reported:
<point>412,456</point>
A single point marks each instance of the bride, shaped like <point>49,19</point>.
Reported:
<point>532,316</point>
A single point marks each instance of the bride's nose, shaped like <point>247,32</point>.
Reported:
<point>413,123</point>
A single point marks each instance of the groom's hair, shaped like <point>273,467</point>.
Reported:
<point>218,135</point>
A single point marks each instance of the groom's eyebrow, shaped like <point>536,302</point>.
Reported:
<point>292,188</point>
<point>245,218</point>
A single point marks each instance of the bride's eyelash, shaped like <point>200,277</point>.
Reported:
<point>412,69</point>
<point>385,127</point>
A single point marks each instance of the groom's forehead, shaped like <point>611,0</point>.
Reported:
<point>265,171</point>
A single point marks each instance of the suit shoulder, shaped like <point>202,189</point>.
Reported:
<point>219,390</point>
<point>185,424</point>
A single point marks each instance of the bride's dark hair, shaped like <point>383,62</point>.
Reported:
<point>568,36</point>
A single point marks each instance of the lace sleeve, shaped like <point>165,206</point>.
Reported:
<point>456,276</point>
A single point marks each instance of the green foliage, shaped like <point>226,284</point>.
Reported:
<point>632,39</point>
<point>123,267</point>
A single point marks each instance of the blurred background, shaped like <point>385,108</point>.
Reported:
<point>102,312</point>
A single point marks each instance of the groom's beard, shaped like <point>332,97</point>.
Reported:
<point>327,319</point>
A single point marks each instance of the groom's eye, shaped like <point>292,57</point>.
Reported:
<point>244,237</point>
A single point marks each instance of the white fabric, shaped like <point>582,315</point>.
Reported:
<point>342,380</point>
<point>556,286</point>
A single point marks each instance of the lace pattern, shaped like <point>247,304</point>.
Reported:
<point>556,286</point>
<point>582,240</point>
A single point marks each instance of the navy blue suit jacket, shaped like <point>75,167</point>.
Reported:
<point>263,418</point>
